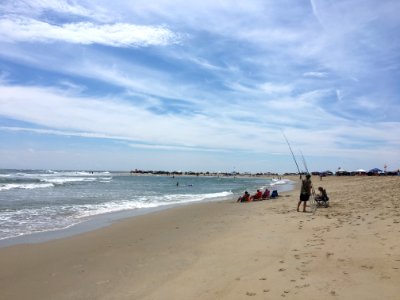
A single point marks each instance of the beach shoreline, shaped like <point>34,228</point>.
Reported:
<point>226,250</point>
<point>73,204</point>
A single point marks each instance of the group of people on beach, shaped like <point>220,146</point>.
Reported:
<point>305,193</point>
<point>258,196</point>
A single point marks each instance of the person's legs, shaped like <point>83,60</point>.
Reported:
<point>304,206</point>
<point>298,205</point>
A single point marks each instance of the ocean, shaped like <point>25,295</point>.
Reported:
<point>46,201</point>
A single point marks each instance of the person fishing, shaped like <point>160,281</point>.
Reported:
<point>306,184</point>
<point>305,192</point>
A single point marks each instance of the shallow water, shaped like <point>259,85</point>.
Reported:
<point>33,201</point>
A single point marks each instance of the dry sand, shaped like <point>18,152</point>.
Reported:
<point>227,250</point>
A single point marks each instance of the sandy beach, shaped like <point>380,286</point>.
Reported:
<point>227,250</point>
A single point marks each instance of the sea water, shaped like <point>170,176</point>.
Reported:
<point>34,201</point>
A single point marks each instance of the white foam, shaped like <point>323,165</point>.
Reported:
<point>48,218</point>
<point>145,202</point>
<point>279,182</point>
<point>27,221</point>
<point>28,186</point>
<point>62,180</point>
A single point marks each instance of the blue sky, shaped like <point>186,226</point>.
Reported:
<point>199,85</point>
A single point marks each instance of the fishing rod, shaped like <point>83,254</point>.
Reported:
<point>291,151</point>
<point>305,166</point>
<point>304,162</point>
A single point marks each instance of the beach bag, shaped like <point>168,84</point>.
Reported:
<point>274,194</point>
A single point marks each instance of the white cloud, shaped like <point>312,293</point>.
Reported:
<point>367,104</point>
<point>101,118</point>
<point>62,132</point>
<point>273,88</point>
<point>116,35</point>
<point>118,119</point>
<point>67,7</point>
<point>174,148</point>
<point>64,7</point>
<point>70,86</point>
<point>315,74</point>
<point>3,77</point>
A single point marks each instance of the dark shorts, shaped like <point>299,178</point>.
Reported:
<point>304,197</point>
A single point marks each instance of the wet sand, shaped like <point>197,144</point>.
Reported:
<point>227,250</point>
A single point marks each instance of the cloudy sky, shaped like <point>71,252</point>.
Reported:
<point>199,85</point>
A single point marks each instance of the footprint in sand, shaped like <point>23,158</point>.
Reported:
<point>329,254</point>
<point>367,267</point>
<point>250,294</point>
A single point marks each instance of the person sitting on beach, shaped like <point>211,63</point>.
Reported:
<point>257,196</point>
<point>322,196</point>
<point>266,194</point>
<point>244,198</point>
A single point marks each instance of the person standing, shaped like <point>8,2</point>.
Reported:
<point>305,192</point>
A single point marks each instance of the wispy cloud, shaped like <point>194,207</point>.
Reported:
<point>271,88</point>
<point>116,35</point>
<point>66,8</point>
<point>174,148</point>
<point>315,74</point>
<point>50,108</point>
<point>118,119</point>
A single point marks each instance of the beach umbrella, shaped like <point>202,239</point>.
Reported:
<point>375,170</point>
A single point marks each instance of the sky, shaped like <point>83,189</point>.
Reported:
<point>200,85</point>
